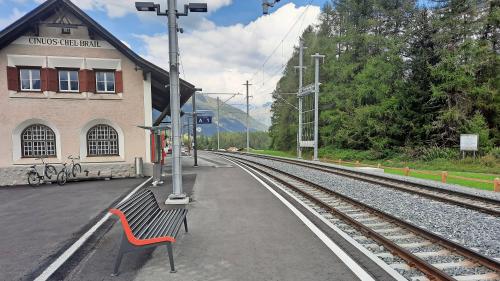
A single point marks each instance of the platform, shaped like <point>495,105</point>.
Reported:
<point>238,230</point>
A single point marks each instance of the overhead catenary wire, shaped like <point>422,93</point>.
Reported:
<point>300,17</point>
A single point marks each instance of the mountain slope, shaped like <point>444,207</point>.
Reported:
<point>232,119</point>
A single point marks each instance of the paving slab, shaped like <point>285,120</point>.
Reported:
<point>38,222</point>
<point>239,231</point>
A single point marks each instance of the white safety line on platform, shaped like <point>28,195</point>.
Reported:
<point>75,246</point>
<point>343,256</point>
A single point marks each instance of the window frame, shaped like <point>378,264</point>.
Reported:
<point>24,156</point>
<point>30,68</point>
<point>59,70</point>
<point>113,71</point>
<point>109,140</point>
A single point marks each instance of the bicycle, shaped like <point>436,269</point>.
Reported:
<point>34,178</point>
<point>65,173</point>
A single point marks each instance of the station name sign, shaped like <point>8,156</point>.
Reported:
<point>62,42</point>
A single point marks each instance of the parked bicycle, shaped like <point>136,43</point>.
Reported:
<point>69,171</point>
<point>34,177</point>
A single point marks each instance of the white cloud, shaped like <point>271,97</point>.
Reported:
<point>120,8</point>
<point>221,58</point>
<point>15,15</point>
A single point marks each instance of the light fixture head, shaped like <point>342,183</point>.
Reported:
<point>145,6</point>
<point>198,7</point>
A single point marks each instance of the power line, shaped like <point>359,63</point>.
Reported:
<point>284,37</point>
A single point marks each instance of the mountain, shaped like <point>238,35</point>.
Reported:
<point>232,119</point>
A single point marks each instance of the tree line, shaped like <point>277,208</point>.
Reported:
<point>258,140</point>
<point>399,75</point>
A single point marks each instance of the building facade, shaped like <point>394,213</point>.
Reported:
<point>69,87</point>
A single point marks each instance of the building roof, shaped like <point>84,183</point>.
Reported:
<point>159,76</point>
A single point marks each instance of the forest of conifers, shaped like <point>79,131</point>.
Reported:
<point>399,76</point>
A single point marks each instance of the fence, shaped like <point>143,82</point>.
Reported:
<point>495,184</point>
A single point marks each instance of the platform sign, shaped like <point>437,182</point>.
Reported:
<point>307,90</point>
<point>469,142</point>
<point>204,120</point>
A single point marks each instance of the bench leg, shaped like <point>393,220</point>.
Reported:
<point>185,224</point>
<point>118,260</point>
<point>171,257</point>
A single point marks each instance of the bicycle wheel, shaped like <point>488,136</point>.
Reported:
<point>50,171</point>
<point>62,178</point>
<point>33,179</point>
<point>76,169</point>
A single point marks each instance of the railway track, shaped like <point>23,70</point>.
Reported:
<point>481,204</point>
<point>415,253</point>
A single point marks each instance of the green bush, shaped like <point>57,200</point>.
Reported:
<point>495,153</point>
<point>432,153</point>
<point>488,160</point>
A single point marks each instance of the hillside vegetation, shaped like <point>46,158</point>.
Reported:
<point>399,78</point>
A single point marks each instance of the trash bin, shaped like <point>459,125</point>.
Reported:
<point>139,167</point>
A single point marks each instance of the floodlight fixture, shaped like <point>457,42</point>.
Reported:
<point>145,6</point>
<point>198,7</point>
<point>266,5</point>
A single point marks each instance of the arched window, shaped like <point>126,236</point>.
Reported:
<point>102,140</point>
<point>38,140</point>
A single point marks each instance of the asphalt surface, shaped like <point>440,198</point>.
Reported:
<point>38,222</point>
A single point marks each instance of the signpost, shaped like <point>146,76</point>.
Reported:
<point>469,142</point>
<point>204,120</point>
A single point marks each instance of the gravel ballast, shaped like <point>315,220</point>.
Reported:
<point>470,228</point>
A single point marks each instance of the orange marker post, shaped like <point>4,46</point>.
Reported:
<point>407,171</point>
<point>496,185</point>
<point>444,176</point>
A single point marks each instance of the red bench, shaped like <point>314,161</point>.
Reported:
<point>145,225</point>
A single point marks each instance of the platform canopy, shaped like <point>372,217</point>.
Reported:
<point>159,76</point>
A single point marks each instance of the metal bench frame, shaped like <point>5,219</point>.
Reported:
<point>131,243</point>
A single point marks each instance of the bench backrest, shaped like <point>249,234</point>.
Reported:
<point>139,210</point>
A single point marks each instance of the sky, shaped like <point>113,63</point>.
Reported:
<point>219,50</point>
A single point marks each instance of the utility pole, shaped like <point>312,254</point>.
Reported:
<point>316,57</point>
<point>195,125</point>
<point>175,106</point>
<point>218,123</point>
<point>177,196</point>
<point>248,116</point>
<point>301,68</point>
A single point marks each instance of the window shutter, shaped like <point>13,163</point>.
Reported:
<point>119,81</point>
<point>52,79</point>
<point>12,78</point>
<point>82,77</point>
<point>91,81</point>
<point>44,77</point>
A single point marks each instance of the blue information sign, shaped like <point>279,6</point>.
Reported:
<point>204,120</point>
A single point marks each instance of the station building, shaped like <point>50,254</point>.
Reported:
<point>70,87</point>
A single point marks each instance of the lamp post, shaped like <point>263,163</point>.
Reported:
<point>172,14</point>
<point>195,125</point>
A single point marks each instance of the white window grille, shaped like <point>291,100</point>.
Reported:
<point>102,140</point>
<point>30,79</point>
<point>105,81</point>
<point>38,141</point>
<point>68,81</point>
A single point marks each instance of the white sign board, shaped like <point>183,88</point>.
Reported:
<point>62,42</point>
<point>469,142</point>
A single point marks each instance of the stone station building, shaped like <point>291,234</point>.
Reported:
<point>69,87</point>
